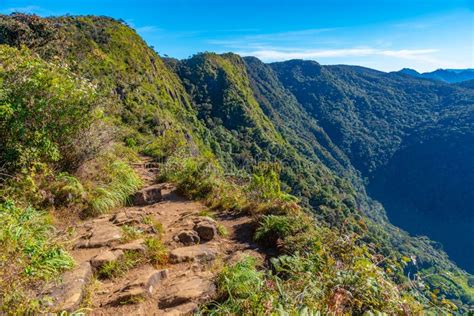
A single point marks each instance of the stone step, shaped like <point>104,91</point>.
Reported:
<point>199,253</point>
<point>193,289</point>
<point>100,234</point>
<point>68,295</point>
<point>105,257</point>
<point>140,288</point>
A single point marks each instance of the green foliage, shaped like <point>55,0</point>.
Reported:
<point>165,145</point>
<point>43,107</point>
<point>30,253</point>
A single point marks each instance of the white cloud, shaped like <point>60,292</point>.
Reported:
<point>284,54</point>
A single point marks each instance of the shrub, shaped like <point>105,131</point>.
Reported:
<point>241,290</point>
<point>42,108</point>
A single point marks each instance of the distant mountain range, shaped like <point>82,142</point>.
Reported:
<point>445,75</point>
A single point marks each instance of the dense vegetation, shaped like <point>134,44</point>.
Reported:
<point>238,134</point>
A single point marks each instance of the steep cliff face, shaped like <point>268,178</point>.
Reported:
<point>327,127</point>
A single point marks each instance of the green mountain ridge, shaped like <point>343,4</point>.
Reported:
<point>328,126</point>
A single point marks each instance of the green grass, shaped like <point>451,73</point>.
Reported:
<point>30,253</point>
<point>120,267</point>
<point>156,252</point>
<point>156,225</point>
<point>122,182</point>
<point>222,231</point>
<point>130,233</point>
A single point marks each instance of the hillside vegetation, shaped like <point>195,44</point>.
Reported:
<point>82,97</point>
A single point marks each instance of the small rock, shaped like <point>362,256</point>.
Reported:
<point>136,245</point>
<point>147,196</point>
<point>188,237</point>
<point>106,257</point>
<point>206,230</point>
<point>188,290</point>
<point>192,253</point>
<point>67,296</point>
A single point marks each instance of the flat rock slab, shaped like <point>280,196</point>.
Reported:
<point>147,196</point>
<point>195,289</point>
<point>136,246</point>
<point>68,295</point>
<point>105,257</point>
<point>101,234</point>
<point>198,253</point>
<point>149,280</point>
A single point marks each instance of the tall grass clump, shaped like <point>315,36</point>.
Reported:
<point>30,254</point>
<point>120,182</point>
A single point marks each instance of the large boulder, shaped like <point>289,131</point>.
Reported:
<point>147,196</point>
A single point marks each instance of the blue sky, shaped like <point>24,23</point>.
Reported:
<point>381,34</point>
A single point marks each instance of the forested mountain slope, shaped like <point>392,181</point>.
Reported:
<point>227,131</point>
<point>411,138</point>
<point>444,75</point>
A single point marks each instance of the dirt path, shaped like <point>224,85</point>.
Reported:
<point>194,250</point>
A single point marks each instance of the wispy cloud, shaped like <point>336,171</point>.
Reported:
<point>268,39</point>
<point>147,29</point>
<point>278,55</point>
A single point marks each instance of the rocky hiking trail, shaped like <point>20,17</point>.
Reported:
<point>194,252</point>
